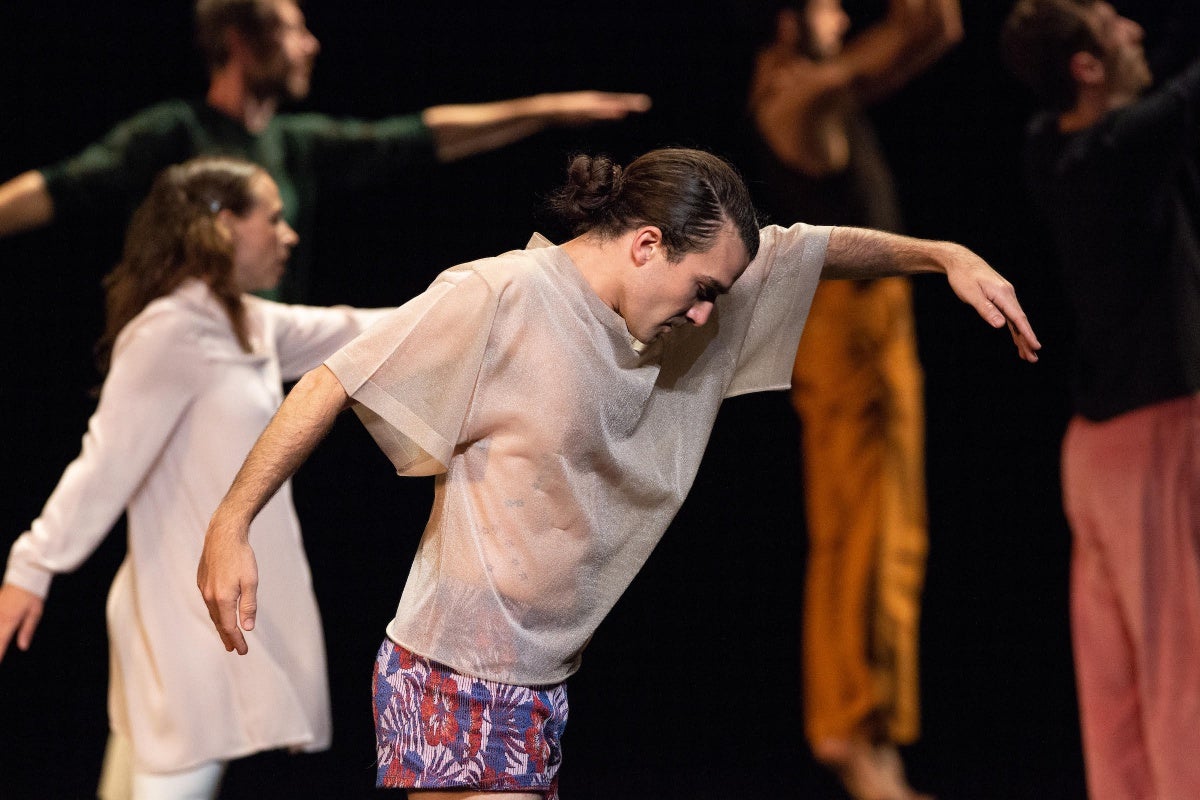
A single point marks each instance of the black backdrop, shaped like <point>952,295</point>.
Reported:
<point>690,688</point>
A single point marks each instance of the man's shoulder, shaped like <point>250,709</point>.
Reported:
<point>510,267</point>
<point>164,115</point>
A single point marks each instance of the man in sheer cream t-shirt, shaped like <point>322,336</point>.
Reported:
<point>563,397</point>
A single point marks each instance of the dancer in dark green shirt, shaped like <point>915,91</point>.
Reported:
<point>260,54</point>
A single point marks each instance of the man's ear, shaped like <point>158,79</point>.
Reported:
<point>1087,69</point>
<point>647,242</point>
<point>236,45</point>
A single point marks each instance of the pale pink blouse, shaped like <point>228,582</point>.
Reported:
<point>179,410</point>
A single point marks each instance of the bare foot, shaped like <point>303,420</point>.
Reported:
<point>889,758</point>
<point>868,771</point>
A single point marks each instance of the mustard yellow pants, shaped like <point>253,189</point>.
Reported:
<point>857,386</point>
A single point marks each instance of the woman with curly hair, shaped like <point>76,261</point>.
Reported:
<point>194,366</point>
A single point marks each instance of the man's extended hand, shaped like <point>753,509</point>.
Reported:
<point>992,296</point>
<point>228,581</point>
<point>579,108</point>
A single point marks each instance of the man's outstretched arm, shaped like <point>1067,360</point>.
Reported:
<point>863,253</point>
<point>25,203</point>
<point>228,574</point>
<point>463,130</point>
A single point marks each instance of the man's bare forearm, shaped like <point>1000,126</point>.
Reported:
<point>25,203</point>
<point>227,573</point>
<point>301,423</point>
<point>467,129</point>
<point>865,253</point>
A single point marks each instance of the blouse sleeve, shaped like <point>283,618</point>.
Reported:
<point>304,336</point>
<point>783,279</point>
<point>153,378</point>
<point>414,373</point>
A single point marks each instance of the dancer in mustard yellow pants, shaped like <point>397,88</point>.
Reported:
<point>857,386</point>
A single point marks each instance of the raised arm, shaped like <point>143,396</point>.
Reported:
<point>228,574</point>
<point>464,130</point>
<point>25,203</point>
<point>797,100</point>
<point>889,54</point>
<point>862,253</point>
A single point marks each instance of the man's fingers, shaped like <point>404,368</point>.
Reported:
<point>1000,308</point>
<point>1017,320</point>
<point>637,102</point>
<point>1022,332</point>
<point>248,606</point>
<point>224,616</point>
<point>585,106</point>
<point>227,577</point>
<point>224,613</point>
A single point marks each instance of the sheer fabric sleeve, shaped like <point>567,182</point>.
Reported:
<point>154,377</point>
<point>414,373</point>
<point>304,336</point>
<point>783,278</point>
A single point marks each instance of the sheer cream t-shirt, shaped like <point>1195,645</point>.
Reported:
<point>562,447</point>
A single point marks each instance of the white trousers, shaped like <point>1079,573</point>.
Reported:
<point>119,780</point>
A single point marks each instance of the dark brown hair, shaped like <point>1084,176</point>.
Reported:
<point>173,235</point>
<point>688,194</point>
<point>257,21</point>
<point>1037,42</point>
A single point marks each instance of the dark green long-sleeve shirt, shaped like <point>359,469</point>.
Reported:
<point>302,152</point>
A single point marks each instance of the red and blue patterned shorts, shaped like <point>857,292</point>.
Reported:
<point>438,729</point>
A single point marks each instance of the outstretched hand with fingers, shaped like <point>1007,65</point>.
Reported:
<point>990,294</point>
<point>580,108</point>
<point>228,581</point>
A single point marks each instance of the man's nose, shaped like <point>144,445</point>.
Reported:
<point>699,312</point>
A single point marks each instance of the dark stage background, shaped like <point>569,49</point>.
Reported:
<point>690,689</point>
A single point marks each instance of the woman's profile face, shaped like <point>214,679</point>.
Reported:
<point>262,238</point>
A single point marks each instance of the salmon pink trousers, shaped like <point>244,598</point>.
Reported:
<point>1131,490</point>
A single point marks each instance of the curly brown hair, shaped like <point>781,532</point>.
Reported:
<point>173,236</point>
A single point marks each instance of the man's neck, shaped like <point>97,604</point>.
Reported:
<point>1090,108</point>
<point>229,94</point>
<point>597,259</point>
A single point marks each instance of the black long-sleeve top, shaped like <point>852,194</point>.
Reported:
<point>1122,199</point>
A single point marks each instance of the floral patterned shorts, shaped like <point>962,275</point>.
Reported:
<point>438,729</point>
